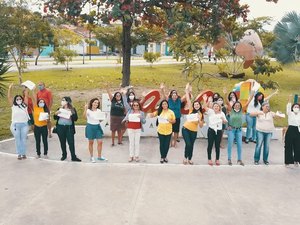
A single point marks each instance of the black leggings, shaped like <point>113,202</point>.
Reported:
<point>164,144</point>
<point>214,137</point>
<point>38,133</point>
<point>292,145</point>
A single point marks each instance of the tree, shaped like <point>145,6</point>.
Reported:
<point>63,55</point>
<point>263,66</point>
<point>4,66</point>
<point>110,36</point>
<point>286,46</point>
<point>63,39</point>
<point>151,57</point>
<point>42,34</point>
<point>204,15</point>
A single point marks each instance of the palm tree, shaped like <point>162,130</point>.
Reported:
<point>4,66</point>
<point>286,46</point>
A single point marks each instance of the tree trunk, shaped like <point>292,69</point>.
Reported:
<point>126,49</point>
<point>37,57</point>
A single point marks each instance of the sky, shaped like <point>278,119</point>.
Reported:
<point>277,10</point>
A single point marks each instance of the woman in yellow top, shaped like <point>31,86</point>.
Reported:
<point>166,118</point>
<point>40,118</point>
<point>190,128</point>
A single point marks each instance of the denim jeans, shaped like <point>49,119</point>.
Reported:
<point>262,139</point>
<point>251,127</point>
<point>235,133</point>
<point>189,139</point>
<point>20,131</point>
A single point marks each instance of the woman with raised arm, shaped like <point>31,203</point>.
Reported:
<point>19,121</point>
<point>190,127</point>
<point>216,119</point>
<point>117,114</point>
<point>93,129</point>
<point>134,119</point>
<point>265,127</point>
<point>292,135</point>
<point>40,119</point>
<point>174,102</point>
<point>255,102</point>
<point>166,118</point>
<point>66,116</point>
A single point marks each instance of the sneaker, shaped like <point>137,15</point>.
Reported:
<point>166,160</point>
<point>266,162</point>
<point>63,158</point>
<point>102,158</point>
<point>161,160</point>
<point>38,157</point>
<point>246,141</point>
<point>130,159</point>
<point>256,163</point>
<point>46,157</point>
<point>210,162</point>
<point>229,162</point>
<point>137,159</point>
<point>92,159</point>
<point>296,164</point>
<point>24,157</point>
<point>240,162</point>
<point>19,157</point>
<point>218,163</point>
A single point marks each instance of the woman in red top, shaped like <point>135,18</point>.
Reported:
<point>134,119</point>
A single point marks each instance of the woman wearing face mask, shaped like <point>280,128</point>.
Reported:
<point>216,119</point>
<point>19,121</point>
<point>234,131</point>
<point>117,114</point>
<point>40,118</point>
<point>254,106</point>
<point>190,128</point>
<point>174,103</point>
<point>292,136</point>
<point>265,127</point>
<point>166,118</point>
<point>66,116</point>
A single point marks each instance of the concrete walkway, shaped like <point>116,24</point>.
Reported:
<point>39,191</point>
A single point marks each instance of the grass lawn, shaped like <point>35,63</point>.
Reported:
<point>81,84</point>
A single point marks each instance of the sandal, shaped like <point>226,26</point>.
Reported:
<point>217,163</point>
<point>191,162</point>
<point>130,159</point>
<point>210,162</point>
<point>137,159</point>
<point>185,162</point>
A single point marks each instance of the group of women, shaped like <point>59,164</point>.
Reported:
<point>126,114</point>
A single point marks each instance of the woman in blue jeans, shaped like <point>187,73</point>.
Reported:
<point>19,121</point>
<point>254,105</point>
<point>265,127</point>
<point>234,131</point>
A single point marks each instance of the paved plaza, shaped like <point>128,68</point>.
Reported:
<point>51,192</point>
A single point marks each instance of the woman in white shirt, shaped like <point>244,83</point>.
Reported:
<point>216,118</point>
<point>292,136</point>
<point>19,121</point>
<point>264,127</point>
<point>93,130</point>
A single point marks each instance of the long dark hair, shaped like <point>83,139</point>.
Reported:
<point>114,97</point>
<point>128,99</point>
<point>45,106</point>
<point>197,110</point>
<point>256,98</point>
<point>15,101</point>
<point>216,98</point>
<point>237,102</point>
<point>91,103</point>
<point>294,105</point>
<point>235,95</point>
<point>171,92</point>
<point>160,109</point>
